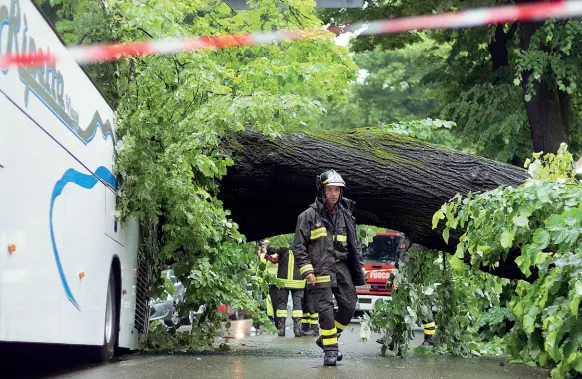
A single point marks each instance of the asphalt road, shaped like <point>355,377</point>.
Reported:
<point>267,356</point>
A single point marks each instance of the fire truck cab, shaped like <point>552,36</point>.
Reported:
<point>380,257</point>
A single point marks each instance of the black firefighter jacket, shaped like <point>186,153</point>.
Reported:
<point>288,271</point>
<point>316,239</point>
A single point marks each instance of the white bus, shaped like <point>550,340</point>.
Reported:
<point>68,271</point>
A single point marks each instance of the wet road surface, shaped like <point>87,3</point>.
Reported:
<point>267,356</point>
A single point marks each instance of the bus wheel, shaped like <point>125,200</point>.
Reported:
<point>107,350</point>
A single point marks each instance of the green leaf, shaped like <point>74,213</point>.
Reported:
<point>543,358</point>
<point>570,351</point>
<point>550,342</point>
<point>524,264</point>
<point>559,236</point>
<point>571,237</point>
<point>541,239</point>
<point>528,324</point>
<point>554,223</point>
<point>456,263</point>
<point>573,217</point>
<point>520,220</point>
<point>439,215</point>
<point>378,304</point>
<point>446,235</point>
<point>507,239</point>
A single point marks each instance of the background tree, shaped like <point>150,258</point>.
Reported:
<point>388,89</point>
<point>510,88</point>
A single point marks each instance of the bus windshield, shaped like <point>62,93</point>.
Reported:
<point>382,249</point>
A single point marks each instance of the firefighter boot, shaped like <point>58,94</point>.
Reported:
<point>315,329</point>
<point>307,330</point>
<point>281,325</point>
<point>428,341</point>
<point>319,342</point>
<point>297,327</point>
<point>330,358</point>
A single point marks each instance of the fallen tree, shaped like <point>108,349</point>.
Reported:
<point>397,182</point>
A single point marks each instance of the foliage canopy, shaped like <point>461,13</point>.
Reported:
<point>542,221</point>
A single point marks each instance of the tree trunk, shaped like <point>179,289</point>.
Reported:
<point>397,182</point>
<point>549,109</point>
<point>498,48</point>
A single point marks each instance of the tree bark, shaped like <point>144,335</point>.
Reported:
<point>397,182</point>
<point>498,48</point>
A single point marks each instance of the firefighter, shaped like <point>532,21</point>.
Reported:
<point>270,258</point>
<point>310,322</point>
<point>429,324</point>
<point>329,257</point>
<point>292,283</point>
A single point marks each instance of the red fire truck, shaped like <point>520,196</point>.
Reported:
<point>379,259</point>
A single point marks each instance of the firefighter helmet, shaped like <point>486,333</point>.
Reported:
<point>331,178</point>
<point>328,178</point>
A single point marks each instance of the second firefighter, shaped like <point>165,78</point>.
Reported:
<point>294,284</point>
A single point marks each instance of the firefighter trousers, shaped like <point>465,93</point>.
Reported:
<point>272,300</point>
<point>345,294</point>
<point>429,325</point>
<point>310,317</point>
<point>296,296</point>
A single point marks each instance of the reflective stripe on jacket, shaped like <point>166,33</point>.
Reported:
<point>288,270</point>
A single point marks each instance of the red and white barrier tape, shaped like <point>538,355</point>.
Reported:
<point>85,54</point>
